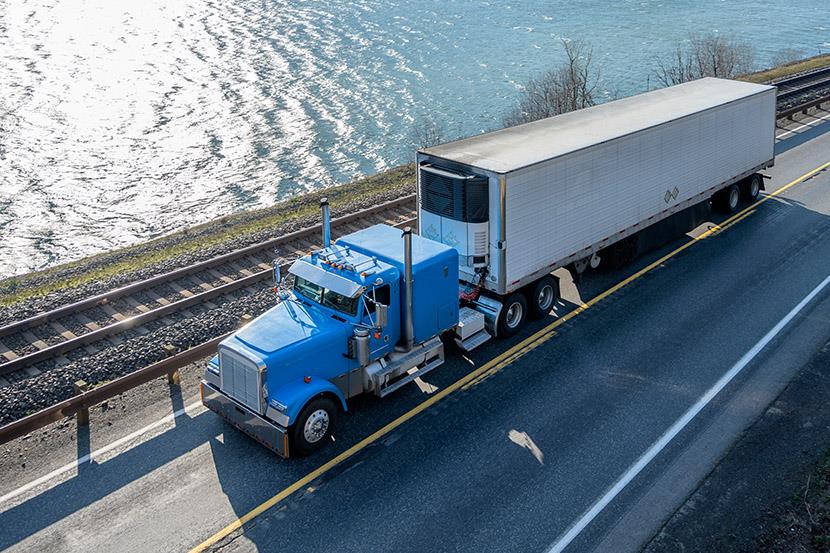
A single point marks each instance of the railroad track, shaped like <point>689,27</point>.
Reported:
<point>53,338</point>
<point>802,89</point>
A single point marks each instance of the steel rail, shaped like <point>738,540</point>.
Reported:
<point>143,318</point>
<point>111,295</point>
<point>798,84</point>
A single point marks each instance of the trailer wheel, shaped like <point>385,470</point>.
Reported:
<point>727,200</point>
<point>313,427</point>
<point>751,187</point>
<point>513,314</point>
<point>541,295</point>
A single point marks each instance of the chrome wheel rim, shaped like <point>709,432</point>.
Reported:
<point>545,299</point>
<point>514,315</point>
<point>733,198</point>
<point>316,426</point>
<point>754,188</point>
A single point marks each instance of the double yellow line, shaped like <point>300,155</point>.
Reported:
<point>488,369</point>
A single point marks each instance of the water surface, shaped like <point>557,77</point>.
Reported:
<point>122,121</point>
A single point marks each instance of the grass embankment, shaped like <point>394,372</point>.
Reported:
<point>145,254</point>
<point>776,73</point>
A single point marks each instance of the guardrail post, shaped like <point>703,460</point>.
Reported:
<point>82,416</point>
<point>173,377</point>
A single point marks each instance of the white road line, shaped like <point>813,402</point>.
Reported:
<point>576,528</point>
<point>804,126</point>
<point>99,452</point>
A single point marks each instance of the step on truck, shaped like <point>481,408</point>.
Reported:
<point>497,214</point>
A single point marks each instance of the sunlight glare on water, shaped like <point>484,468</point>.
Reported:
<point>122,121</point>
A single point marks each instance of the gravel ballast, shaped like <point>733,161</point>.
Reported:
<point>55,385</point>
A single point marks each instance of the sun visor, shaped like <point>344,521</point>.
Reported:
<point>326,279</point>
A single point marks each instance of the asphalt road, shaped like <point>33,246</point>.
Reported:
<point>508,464</point>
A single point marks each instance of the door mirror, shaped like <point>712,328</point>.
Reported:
<point>381,315</point>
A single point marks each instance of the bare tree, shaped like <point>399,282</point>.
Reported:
<point>566,88</point>
<point>425,133</point>
<point>705,56</point>
<point>788,56</point>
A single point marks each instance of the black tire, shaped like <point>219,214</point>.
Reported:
<point>727,200</point>
<point>513,315</point>
<point>751,187</point>
<point>308,440</point>
<point>542,295</point>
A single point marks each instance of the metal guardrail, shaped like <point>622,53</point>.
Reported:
<point>81,403</point>
<point>802,108</point>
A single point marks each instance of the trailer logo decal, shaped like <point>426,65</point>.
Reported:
<point>432,233</point>
<point>671,194</point>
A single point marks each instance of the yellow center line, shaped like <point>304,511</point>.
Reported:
<point>490,367</point>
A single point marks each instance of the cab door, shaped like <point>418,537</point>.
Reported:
<point>382,341</point>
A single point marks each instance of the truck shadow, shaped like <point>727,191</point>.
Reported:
<point>233,455</point>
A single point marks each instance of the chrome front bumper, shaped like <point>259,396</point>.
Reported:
<point>269,434</point>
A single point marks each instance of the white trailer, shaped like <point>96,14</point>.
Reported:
<point>520,202</point>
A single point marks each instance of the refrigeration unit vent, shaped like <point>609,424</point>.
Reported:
<point>463,198</point>
<point>454,210</point>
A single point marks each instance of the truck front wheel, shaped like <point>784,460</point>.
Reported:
<point>512,315</point>
<point>313,427</point>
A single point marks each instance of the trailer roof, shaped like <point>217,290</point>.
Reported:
<point>516,147</point>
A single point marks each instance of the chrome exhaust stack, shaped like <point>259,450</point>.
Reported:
<point>324,207</point>
<point>408,325</point>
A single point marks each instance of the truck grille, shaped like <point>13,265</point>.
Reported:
<point>241,379</point>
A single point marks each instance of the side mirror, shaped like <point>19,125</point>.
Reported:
<point>382,315</point>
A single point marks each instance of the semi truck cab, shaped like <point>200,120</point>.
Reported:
<point>364,314</point>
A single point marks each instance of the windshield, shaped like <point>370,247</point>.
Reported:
<point>326,297</point>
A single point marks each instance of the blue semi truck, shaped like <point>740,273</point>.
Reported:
<point>365,314</point>
<point>497,214</point>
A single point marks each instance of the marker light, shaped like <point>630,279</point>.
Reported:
<point>307,379</point>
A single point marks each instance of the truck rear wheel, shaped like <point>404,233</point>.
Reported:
<point>751,187</point>
<point>313,427</point>
<point>541,295</point>
<point>727,200</point>
<point>513,314</point>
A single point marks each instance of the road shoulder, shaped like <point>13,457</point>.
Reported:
<point>750,500</point>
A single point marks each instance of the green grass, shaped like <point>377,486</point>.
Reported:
<point>782,71</point>
<point>131,258</point>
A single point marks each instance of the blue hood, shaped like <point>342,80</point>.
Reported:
<point>295,340</point>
